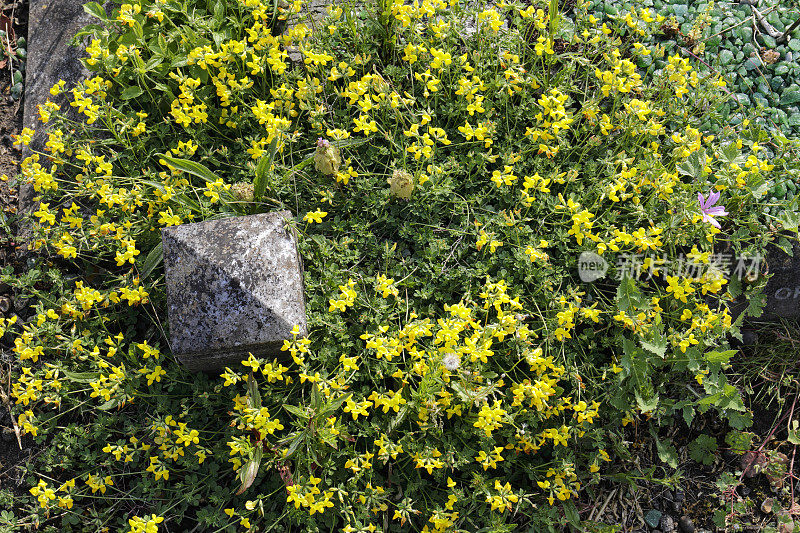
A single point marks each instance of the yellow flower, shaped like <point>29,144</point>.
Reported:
<point>314,216</point>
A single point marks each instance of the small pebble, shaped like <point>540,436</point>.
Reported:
<point>685,525</point>
<point>668,524</point>
<point>652,518</point>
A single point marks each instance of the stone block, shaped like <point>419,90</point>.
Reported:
<point>783,287</point>
<point>51,27</point>
<point>234,286</point>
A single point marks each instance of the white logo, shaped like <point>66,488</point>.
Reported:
<point>591,267</point>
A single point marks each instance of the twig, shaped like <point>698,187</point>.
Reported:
<point>738,23</point>
<point>603,507</point>
<point>4,397</point>
<point>771,31</point>
<point>637,507</point>
<point>780,38</point>
<point>788,33</point>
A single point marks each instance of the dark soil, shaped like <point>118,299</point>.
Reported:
<point>15,13</point>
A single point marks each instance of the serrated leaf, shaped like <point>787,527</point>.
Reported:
<point>756,304</point>
<point>740,421</point>
<point>688,414</point>
<point>646,404</point>
<point>702,449</point>
<point>720,357</point>
<point>666,451</point>
<point>790,220</point>
<point>657,346</point>
<point>784,244</point>
<point>793,437</point>
<point>693,166</point>
<point>628,295</point>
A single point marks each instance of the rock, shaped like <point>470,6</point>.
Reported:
<point>667,524</point>
<point>685,525</point>
<point>652,518</point>
<point>234,286</point>
<point>51,25</point>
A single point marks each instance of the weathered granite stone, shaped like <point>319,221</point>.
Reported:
<point>234,286</point>
<point>783,287</point>
<point>51,26</point>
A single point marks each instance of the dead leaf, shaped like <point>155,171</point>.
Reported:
<point>766,505</point>
<point>8,27</point>
<point>752,463</point>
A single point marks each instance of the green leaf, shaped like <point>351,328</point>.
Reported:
<point>297,411</point>
<point>688,414</point>
<point>716,357</point>
<point>249,470</point>
<point>81,377</point>
<point>790,97</point>
<point>646,404</point>
<point>316,401</point>
<point>703,449</point>
<point>110,404</point>
<point>296,442</point>
<point>260,181</point>
<point>657,346</point>
<point>794,432</point>
<point>335,404</point>
<point>628,296</point>
<point>253,394</point>
<point>730,153</point>
<point>756,305</point>
<point>666,451</point>
<point>96,10</point>
<point>190,167</point>
<point>131,92</point>
<point>571,513</point>
<point>153,259</point>
<point>740,421</point>
<point>693,166</point>
<point>790,220</point>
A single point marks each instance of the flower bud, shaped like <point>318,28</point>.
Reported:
<point>401,184</point>
<point>327,159</point>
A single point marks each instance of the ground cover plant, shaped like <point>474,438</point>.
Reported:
<point>459,373</point>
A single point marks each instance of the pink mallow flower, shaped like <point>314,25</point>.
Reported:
<point>708,209</point>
